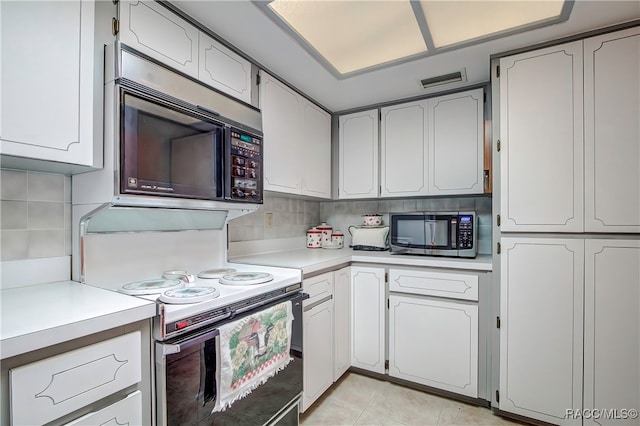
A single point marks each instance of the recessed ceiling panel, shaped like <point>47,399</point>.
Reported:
<point>452,22</point>
<point>353,35</point>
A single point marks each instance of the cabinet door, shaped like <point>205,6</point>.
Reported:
<point>223,69</point>
<point>434,342</point>
<point>50,67</point>
<point>127,411</point>
<point>281,116</point>
<point>156,31</point>
<point>541,343</point>
<point>612,330</point>
<point>404,162</point>
<point>541,163</point>
<point>318,350</point>
<point>367,318</point>
<point>456,143</point>
<point>342,321</point>
<point>612,132</point>
<point>358,156</point>
<point>315,159</point>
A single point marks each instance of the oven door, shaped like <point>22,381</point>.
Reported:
<point>168,150</point>
<point>186,380</point>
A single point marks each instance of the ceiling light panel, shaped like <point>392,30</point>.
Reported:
<point>354,35</point>
<point>453,22</point>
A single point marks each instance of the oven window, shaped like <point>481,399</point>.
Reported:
<point>421,231</point>
<point>168,152</point>
<point>436,232</point>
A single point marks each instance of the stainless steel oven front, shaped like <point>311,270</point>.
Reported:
<point>186,380</point>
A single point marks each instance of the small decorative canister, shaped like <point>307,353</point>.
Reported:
<point>314,238</point>
<point>327,230</point>
<point>337,239</point>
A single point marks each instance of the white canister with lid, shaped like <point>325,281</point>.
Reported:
<point>327,231</point>
<point>314,238</point>
<point>337,239</point>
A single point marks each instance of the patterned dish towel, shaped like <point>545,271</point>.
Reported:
<point>250,351</point>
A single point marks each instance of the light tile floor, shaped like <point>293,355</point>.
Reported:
<point>362,400</point>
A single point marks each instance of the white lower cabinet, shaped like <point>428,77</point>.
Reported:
<point>612,330</point>
<point>434,342</point>
<point>46,390</point>
<point>317,338</point>
<point>127,411</point>
<point>368,318</point>
<point>342,318</point>
<point>541,327</point>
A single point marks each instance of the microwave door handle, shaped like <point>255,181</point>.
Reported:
<point>454,233</point>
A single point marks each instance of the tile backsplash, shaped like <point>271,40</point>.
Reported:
<point>284,217</point>
<point>35,215</point>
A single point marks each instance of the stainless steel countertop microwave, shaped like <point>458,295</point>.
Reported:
<point>450,233</point>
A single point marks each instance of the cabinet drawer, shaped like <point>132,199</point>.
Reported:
<point>318,287</point>
<point>46,390</point>
<point>430,283</point>
<point>127,411</point>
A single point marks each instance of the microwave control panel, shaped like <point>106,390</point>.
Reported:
<point>465,232</point>
<point>245,168</point>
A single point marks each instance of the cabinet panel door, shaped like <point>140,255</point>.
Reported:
<point>358,156</point>
<point>367,318</point>
<point>612,132</point>
<point>541,160</point>
<point>281,108</point>
<point>156,31</point>
<point>46,390</point>
<point>404,162</point>
<point>316,152</point>
<point>127,411</point>
<point>541,343</point>
<point>612,329</point>
<point>48,110</point>
<point>434,342</point>
<point>223,69</point>
<point>456,143</point>
<point>342,316</point>
<point>318,352</point>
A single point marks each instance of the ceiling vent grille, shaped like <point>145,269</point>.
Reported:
<point>454,77</point>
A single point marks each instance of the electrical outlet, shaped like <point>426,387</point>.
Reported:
<point>268,220</point>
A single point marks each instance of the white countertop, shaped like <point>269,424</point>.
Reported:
<point>38,316</point>
<point>313,260</point>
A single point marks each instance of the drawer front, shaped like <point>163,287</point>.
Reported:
<point>318,287</point>
<point>46,390</point>
<point>127,411</point>
<point>430,283</point>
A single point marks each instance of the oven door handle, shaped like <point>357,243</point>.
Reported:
<point>169,348</point>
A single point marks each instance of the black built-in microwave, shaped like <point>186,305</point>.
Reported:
<point>434,233</point>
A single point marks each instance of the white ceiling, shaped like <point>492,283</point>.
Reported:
<point>246,27</point>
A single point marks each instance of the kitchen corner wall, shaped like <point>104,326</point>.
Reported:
<point>35,215</point>
<point>291,217</point>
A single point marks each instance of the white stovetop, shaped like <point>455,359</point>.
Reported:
<point>37,316</point>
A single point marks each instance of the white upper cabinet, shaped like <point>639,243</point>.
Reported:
<point>358,155</point>
<point>156,31</point>
<point>222,69</point>
<point>297,141</point>
<point>612,132</point>
<point>541,158</point>
<point>456,143</point>
<point>315,151</point>
<point>403,158</point>
<point>51,78</point>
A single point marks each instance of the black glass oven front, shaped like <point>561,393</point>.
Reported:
<point>186,387</point>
